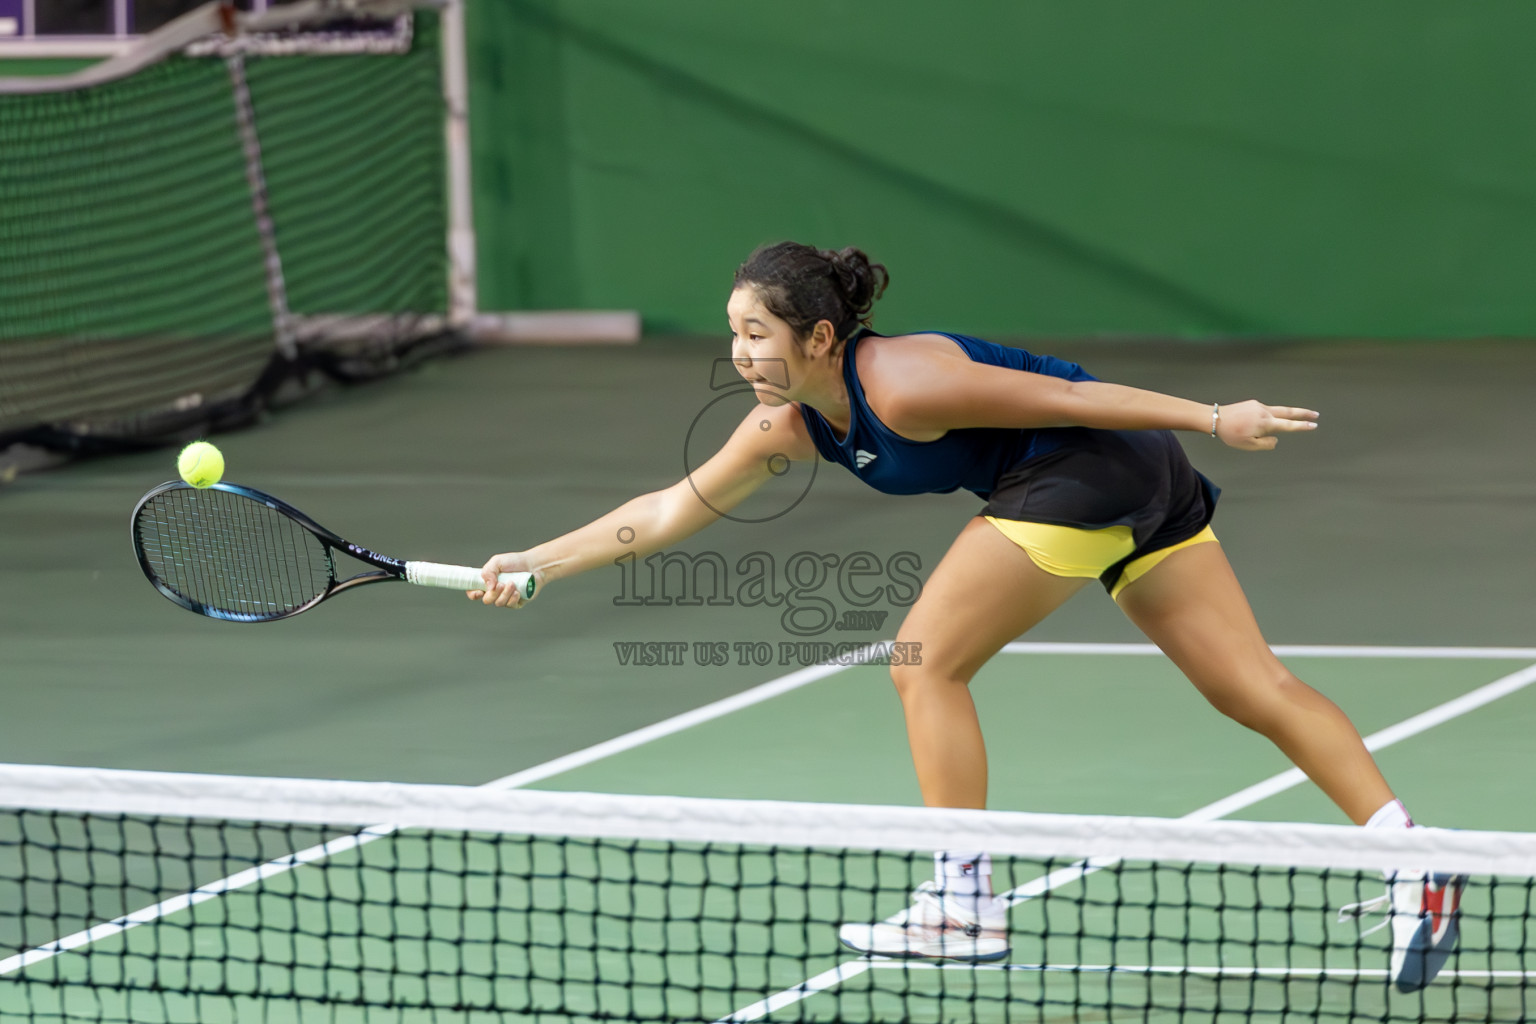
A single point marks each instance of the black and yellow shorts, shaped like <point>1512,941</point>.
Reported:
<point>1109,504</point>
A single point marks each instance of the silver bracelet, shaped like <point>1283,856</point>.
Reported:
<point>1215,417</point>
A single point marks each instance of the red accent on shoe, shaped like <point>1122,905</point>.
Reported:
<point>1434,906</point>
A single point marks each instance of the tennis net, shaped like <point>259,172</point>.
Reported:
<point>152,897</point>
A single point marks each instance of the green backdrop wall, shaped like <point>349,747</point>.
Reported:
<point>1187,167</point>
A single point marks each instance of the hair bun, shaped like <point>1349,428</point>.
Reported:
<point>860,281</point>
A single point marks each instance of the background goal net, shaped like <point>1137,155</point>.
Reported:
<point>231,205</point>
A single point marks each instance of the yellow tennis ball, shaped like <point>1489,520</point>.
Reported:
<point>200,464</point>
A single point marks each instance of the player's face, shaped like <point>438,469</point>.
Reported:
<point>763,348</point>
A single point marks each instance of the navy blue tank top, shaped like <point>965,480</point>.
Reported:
<point>972,457</point>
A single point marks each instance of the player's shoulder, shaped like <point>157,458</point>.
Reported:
<point>920,342</point>
<point>898,360</point>
<point>904,352</point>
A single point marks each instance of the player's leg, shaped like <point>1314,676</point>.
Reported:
<point>1191,605</point>
<point>983,593</point>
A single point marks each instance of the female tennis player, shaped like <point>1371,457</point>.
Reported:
<point>1083,480</point>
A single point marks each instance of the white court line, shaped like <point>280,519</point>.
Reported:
<point>608,748</point>
<point>1242,798</point>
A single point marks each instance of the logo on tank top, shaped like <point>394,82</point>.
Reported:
<point>864,458</point>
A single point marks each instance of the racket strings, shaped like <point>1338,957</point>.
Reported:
<point>232,555</point>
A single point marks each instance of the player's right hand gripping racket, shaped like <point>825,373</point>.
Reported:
<point>234,553</point>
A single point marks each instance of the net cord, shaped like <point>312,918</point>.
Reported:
<point>761,822</point>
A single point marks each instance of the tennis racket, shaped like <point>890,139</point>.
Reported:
<point>231,552</point>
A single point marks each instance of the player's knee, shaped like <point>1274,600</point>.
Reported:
<point>911,680</point>
<point>1260,703</point>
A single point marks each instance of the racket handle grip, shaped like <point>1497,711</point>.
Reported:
<point>462,577</point>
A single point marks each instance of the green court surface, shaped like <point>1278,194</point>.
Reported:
<point>1392,528</point>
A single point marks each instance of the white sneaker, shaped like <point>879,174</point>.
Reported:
<point>934,926</point>
<point>1423,910</point>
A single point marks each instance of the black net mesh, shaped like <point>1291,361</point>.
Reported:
<point>124,918</point>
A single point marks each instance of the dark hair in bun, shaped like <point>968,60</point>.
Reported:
<point>802,285</point>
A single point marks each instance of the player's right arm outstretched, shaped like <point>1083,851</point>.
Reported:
<point>661,518</point>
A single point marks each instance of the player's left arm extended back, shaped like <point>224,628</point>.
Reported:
<point>955,392</point>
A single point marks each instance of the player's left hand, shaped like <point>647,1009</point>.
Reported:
<point>1254,427</point>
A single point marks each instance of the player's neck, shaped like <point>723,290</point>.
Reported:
<point>826,391</point>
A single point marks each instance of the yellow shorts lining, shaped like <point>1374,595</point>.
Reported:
<point>1134,571</point>
<point>1074,552</point>
<point>1068,550</point>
